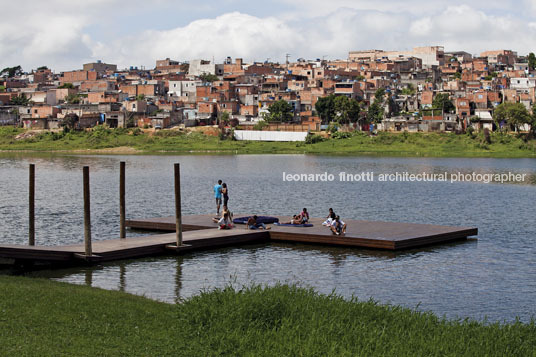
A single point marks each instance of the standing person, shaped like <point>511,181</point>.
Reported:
<point>217,195</point>
<point>225,193</point>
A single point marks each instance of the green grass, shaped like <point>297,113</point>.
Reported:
<point>165,141</point>
<point>46,318</point>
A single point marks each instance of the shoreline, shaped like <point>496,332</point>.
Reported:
<point>364,153</point>
<point>104,141</point>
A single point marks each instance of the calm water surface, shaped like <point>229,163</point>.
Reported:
<point>494,277</point>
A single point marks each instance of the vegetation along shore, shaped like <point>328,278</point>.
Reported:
<point>129,141</point>
<point>43,318</point>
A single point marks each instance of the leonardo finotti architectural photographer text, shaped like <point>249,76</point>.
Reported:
<point>370,176</point>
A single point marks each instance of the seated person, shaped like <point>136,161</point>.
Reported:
<point>296,219</point>
<point>223,212</point>
<point>338,227</point>
<point>304,216</point>
<point>252,223</point>
<point>330,219</point>
<point>225,222</point>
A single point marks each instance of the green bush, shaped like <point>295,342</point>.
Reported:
<point>341,135</point>
<point>313,138</point>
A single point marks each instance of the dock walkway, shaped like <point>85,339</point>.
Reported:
<point>199,233</point>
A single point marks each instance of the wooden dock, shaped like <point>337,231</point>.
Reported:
<point>134,247</point>
<point>201,233</point>
<point>367,234</point>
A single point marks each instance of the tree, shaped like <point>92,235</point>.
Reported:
<point>347,110</point>
<point>513,114</point>
<point>442,101</point>
<point>325,107</point>
<point>207,77</point>
<point>409,90</point>
<point>66,85</point>
<point>20,100</point>
<point>72,98</point>
<point>184,67</point>
<point>375,111</point>
<point>280,111</point>
<point>69,121</point>
<point>224,119</point>
<point>532,61</point>
<point>2,89</point>
<point>11,72</point>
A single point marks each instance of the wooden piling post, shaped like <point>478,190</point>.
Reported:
<point>31,225</point>
<point>87,214</point>
<point>178,215</point>
<point>122,231</point>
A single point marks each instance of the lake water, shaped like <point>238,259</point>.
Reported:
<point>493,277</point>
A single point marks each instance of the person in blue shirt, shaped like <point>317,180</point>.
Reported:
<point>217,195</point>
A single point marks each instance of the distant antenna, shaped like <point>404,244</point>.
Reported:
<point>287,56</point>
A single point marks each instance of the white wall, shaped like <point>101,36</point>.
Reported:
<point>257,135</point>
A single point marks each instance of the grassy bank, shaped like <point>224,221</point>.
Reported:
<point>43,318</point>
<point>167,141</point>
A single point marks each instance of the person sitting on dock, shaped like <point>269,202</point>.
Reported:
<point>225,222</point>
<point>252,223</point>
<point>338,227</point>
<point>330,218</point>
<point>304,216</point>
<point>224,211</point>
<point>296,219</point>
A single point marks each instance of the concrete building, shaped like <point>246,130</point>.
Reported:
<point>100,67</point>
<point>505,57</point>
<point>460,56</point>
<point>183,88</point>
<point>199,67</point>
<point>430,55</point>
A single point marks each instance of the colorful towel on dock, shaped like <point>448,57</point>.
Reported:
<point>260,219</point>
<point>293,225</point>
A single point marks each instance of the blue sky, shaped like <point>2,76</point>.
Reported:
<point>64,34</point>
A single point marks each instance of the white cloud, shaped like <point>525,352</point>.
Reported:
<point>233,34</point>
<point>465,28</point>
<point>63,34</point>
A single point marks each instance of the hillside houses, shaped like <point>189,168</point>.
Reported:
<point>199,91</point>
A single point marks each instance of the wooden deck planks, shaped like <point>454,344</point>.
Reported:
<point>114,249</point>
<point>200,233</point>
<point>360,233</point>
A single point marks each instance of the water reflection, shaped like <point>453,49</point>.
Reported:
<point>470,279</point>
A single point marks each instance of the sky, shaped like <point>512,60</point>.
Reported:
<point>64,34</point>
